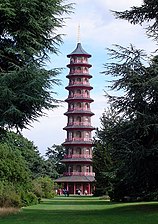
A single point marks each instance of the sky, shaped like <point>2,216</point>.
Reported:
<point>99,30</point>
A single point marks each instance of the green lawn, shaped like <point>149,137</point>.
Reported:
<point>84,210</point>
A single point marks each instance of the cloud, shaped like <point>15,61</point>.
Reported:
<point>49,129</point>
<point>99,30</point>
<point>98,107</point>
<point>120,5</point>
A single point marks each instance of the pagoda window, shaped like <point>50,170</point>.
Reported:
<point>78,134</point>
<point>71,93</point>
<point>78,69</point>
<point>70,135</point>
<point>86,80</point>
<point>78,79</point>
<point>84,59</point>
<point>70,120</point>
<point>78,105</point>
<point>78,91</point>
<point>70,168</point>
<point>86,106</point>
<point>78,119</point>
<point>71,60</point>
<point>72,70</point>
<point>85,69</point>
<point>87,135</point>
<point>71,106</point>
<point>79,59</point>
<point>75,59</point>
<point>87,151</point>
<point>86,120</point>
<point>78,151</point>
<point>78,168</point>
<point>87,93</point>
<point>71,82</point>
<point>70,151</point>
<point>87,169</point>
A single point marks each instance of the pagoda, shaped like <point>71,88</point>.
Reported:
<point>79,175</point>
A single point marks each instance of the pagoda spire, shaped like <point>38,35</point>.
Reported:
<point>78,34</point>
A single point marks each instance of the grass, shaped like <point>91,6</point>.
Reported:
<point>85,210</point>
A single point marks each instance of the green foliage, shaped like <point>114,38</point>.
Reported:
<point>43,187</point>
<point>28,198</point>
<point>102,166</point>
<point>55,154</point>
<point>37,165</point>
<point>25,41</point>
<point>23,172</point>
<point>15,173</point>
<point>129,130</point>
<point>9,197</point>
<point>147,12</point>
<point>27,150</point>
<point>152,196</point>
<point>13,166</point>
<point>28,36</point>
<point>24,94</point>
<point>37,188</point>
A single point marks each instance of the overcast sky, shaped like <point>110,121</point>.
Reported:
<point>98,30</point>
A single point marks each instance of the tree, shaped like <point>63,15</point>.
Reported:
<point>27,36</point>
<point>55,154</point>
<point>22,168</point>
<point>29,152</point>
<point>13,166</point>
<point>147,12</point>
<point>15,176</point>
<point>43,187</point>
<point>37,165</point>
<point>130,134</point>
<point>102,167</point>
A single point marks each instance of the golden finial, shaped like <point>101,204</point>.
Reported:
<point>78,34</point>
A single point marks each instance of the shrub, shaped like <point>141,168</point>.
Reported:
<point>29,198</point>
<point>151,196</point>
<point>43,187</point>
<point>8,195</point>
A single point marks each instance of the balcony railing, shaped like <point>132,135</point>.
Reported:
<point>79,174</point>
<point>79,83</point>
<point>79,109</point>
<point>78,140</point>
<point>78,156</point>
<point>72,61</point>
<point>79,71</point>
<point>79,124</point>
<point>79,95</point>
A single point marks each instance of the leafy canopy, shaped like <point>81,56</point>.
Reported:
<point>147,12</point>
<point>28,33</point>
<point>55,154</point>
<point>129,132</point>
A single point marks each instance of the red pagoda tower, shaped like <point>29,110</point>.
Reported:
<point>78,144</point>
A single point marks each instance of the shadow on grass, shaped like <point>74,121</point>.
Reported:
<point>107,205</point>
<point>121,209</point>
<point>75,202</point>
<point>107,212</point>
